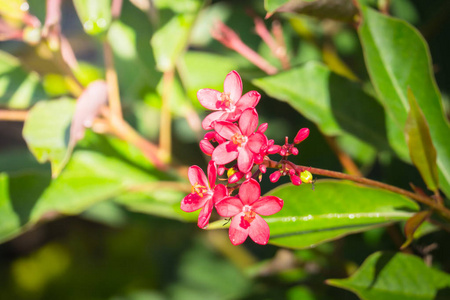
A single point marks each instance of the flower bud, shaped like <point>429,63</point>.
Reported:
<point>302,134</point>
<point>235,177</point>
<point>306,176</point>
<point>296,180</point>
<point>206,147</point>
<point>262,128</point>
<point>263,168</point>
<point>274,149</point>
<point>220,170</point>
<point>275,176</point>
<point>283,152</point>
<point>294,151</point>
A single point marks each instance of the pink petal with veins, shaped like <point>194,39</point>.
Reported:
<point>208,98</point>
<point>193,202</point>
<point>248,121</point>
<point>233,86</point>
<point>245,160</point>
<point>259,231</point>
<point>212,174</point>
<point>237,234</point>
<point>222,156</point>
<point>226,129</point>
<point>220,192</point>
<point>208,121</point>
<point>256,141</point>
<point>206,147</point>
<point>267,205</point>
<point>250,191</point>
<point>229,207</point>
<point>197,176</point>
<point>205,214</point>
<point>249,99</point>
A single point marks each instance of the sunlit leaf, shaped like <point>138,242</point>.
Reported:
<point>330,101</point>
<point>393,67</point>
<point>95,16</point>
<point>9,220</point>
<point>332,210</point>
<point>46,131</point>
<point>421,149</point>
<point>391,276</point>
<point>18,88</point>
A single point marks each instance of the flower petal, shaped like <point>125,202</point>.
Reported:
<point>207,122</point>
<point>259,231</point>
<point>220,193</point>
<point>193,202</point>
<point>267,205</point>
<point>245,160</point>
<point>197,176</point>
<point>212,173</point>
<point>205,214</point>
<point>249,99</point>
<point>221,156</point>
<point>250,191</point>
<point>248,121</point>
<point>233,86</point>
<point>237,233</point>
<point>256,141</point>
<point>229,207</point>
<point>208,98</point>
<point>226,129</point>
<point>206,147</point>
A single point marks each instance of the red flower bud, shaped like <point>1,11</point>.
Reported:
<point>274,149</point>
<point>296,180</point>
<point>262,128</point>
<point>302,134</point>
<point>206,147</point>
<point>275,176</point>
<point>263,168</point>
<point>294,151</point>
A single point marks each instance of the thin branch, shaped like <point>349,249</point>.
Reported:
<point>112,82</point>
<point>165,128</point>
<point>226,36</point>
<point>13,115</point>
<point>419,198</point>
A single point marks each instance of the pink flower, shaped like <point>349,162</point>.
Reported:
<point>243,142</point>
<point>245,211</point>
<point>228,105</point>
<point>204,193</point>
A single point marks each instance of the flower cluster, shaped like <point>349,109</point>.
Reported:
<point>235,139</point>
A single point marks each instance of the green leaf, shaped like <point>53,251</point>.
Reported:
<point>392,276</point>
<point>88,178</point>
<point>9,220</point>
<point>332,210</point>
<point>46,131</point>
<point>413,224</point>
<point>19,89</point>
<point>95,16</point>
<point>332,102</point>
<point>421,149</point>
<point>166,47</point>
<point>393,67</point>
<point>196,72</point>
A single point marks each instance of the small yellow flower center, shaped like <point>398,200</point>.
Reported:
<point>199,189</point>
<point>249,216</point>
<point>239,139</point>
<point>225,100</point>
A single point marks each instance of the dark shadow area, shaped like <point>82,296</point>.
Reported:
<point>382,261</point>
<point>357,112</point>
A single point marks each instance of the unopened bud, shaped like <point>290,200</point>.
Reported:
<point>275,176</point>
<point>294,151</point>
<point>302,134</point>
<point>263,168</point>
<point>220,170</point>
<point>210,135</point>
<point>306,176</point>
<point>235,177</point>
<point>274,149</point>
<point>206,147</point>
<point>262,128</point>
<point>258,159</point>
<point>296,180</point>
<point>283,152</point>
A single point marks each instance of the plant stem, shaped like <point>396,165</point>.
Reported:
<point>328,173</point>
<point>13,115</point>
<point>165,128</point>
<point>112,83</point>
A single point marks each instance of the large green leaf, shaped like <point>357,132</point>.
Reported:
<point>332,210</point>
<point>393,67</point>
<point>18,88</point>
<point>330,101</point>
<point>88,178</point>
<point>9,220</point>
<point>421,149</point>
<point>46,131</point>
<point>393,276</point>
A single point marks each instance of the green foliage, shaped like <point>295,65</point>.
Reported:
<point>332,210</point>
<point>386,275</point>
